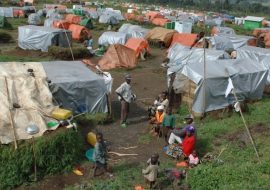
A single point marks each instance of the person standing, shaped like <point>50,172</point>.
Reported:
<point>125,96</point>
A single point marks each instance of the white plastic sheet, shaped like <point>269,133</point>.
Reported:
<point>109,38</point>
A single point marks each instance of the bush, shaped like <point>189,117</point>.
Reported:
<point>55,153</point>
<point>65,54</point>
<point>5,37</point>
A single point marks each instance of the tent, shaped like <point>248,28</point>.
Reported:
<point>108,19</point>
<point>73,19</point>
<point>160,21</point>
<point>118,56</point>
<point>87,23</point>
<point>185,39</point>
<point>49,22</point>
<point>152,15</point>
<point>40,38</point>
<point>34,19</point>
<point>129,16</point>
<point>260,55</point>
<point>76,87</point>
<point>137,45</point>
<point>134,31</point>
<point>79,33</point>
<point>160,34</point>
<point>63,24</point>
<point>248,77</point>
<point>31,93</point>
<point>109,38</point>
<point>6,11</point>
<point>225,41</point>
<point>222,30</point>
<point>91,14</point>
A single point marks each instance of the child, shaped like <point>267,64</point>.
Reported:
<point>168,124</point>
<point>154,156</point>
<point>151,172</point>
<point>193,159</point>
<point>100,155</point>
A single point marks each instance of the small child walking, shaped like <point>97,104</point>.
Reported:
<point>151,172</point>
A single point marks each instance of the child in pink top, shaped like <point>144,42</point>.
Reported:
<point>193,159</point>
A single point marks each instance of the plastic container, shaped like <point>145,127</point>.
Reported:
<point>61,114</point>
<point>89,154</point>
<point>91,138</point>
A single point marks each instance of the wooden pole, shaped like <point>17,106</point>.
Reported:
<point>35,160</point>
<point>245,124</point>
<point>10,115</point>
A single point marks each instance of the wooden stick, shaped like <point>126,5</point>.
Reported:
<point>34,155</point>
<point>10,116</point>
<point>126,148</point>
<point>120,154</point>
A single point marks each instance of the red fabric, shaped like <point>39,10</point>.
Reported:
<point>188,145</point>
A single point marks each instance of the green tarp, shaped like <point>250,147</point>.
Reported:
<point>87,23</point>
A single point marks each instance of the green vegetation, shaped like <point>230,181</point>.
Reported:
<point>10,58</point>
<point>54,153</point>
<point>5,37</point>
<point>65,54</point>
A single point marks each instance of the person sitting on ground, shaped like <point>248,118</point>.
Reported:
<point>189,141</point>
<point>164,99</point>
<point>100,155</point>
<point>157,121</point>
<point>152,109</point>
<point>153,156</point>
<point>193,159</point>
<point>179,134</point>
<point>151,172</point>
<point>168,124</point>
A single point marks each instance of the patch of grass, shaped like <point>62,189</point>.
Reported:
<point>9,58</point>
<point>5,37</point>
<point>93,119</point>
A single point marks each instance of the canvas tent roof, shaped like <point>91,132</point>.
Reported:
<point>160,34</point>
<point>108,19</point>
<point>109,38</point>
<point>222,30</point>
<point>185,39</point>
<point>137,45</point>
<point>248,78</point>
<point>118,56</point>
<point>31,93</point>
<point>76,87</point>
<point>40,38</point>
<point>134,31</point>
<point>6,11</point>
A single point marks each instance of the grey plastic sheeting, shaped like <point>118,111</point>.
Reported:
<point>34,19</point>
<point>76,87</point>
<point>109,38</point>
<point>133,31</point>
<point>180,55</point>
<point>108,19</point>
<point>40,38</point>
<point>248,77</point>
<point>256,54</point>
<point>6,11</point>
<point>225,30</point>
<point>49,22</point>
<point>225,42</point>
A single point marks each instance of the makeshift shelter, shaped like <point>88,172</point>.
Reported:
<point>183,27</point>
<point>258,31</point>
<point>185,39</point>
<point>76,87</point>
<point>222,30</point>
<point>18,13</point>
<point>152,15</point>
<point>91,14</point>
<point>159,34</point>
<point>63,24</point>
<point>160,21</point>
<point>49,22</point>
<point>248,77</point>
<point>87,23</point>
<point>6,11</point>
<point>79,33</point>
<point>226,42</point>
<point>34,19</point>
<point>260,55</point>
<point>252,22</point>
<point>109,38</point>
<point>74,19</point>
<point>133,31</point>
<point>140,18</point>
<point>138,45</point>
<point>129,16</point>
<point>108,19</point>
<point>118,56</point>
<point>30,93</point>
<point>40,38</point>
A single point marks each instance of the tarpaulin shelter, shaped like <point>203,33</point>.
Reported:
<point>18,13</point>
<point>91,13</point>
<point>129,16</point>
<point>40,38</point>
<point>76,87</point>
<point>185,39</point>
<point>248,77</point>
<point>6,11</point>
<point>133,31</point>
<point>74,19</point>
<point>257,31</point>
<point>109,38</point>
<point>160,21</point>
<point>160,34</point>
<point>79,33</point>
<point>152,15</point>
<point>225,42</point>
<point>183,27</point>
<point>87,23</point>
<point>140,18</point>
<point>49,22</point>
<point>33,96</point>
<point>63,24</point>
<point>34,19</point>
<point>108,19</point>
<point>222,30</point>
<point>260,55</point>
<point>118,56</point>
<point>138,45</point>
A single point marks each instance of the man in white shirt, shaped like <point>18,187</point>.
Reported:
<point>125,96</point>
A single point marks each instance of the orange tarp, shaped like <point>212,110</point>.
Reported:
<point>118,56</point>
<point>184,39</point>
<point>259,31</point>
<point>129,16</point>
<point>152,15</point>
<point>61,24</point>
<point>74,19</point>
<point>160,21</point>
<point>139,18</point>
<point>79,32</point>
<point>18,13</point>
<point>137,45</point>
<point>161,35</point>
